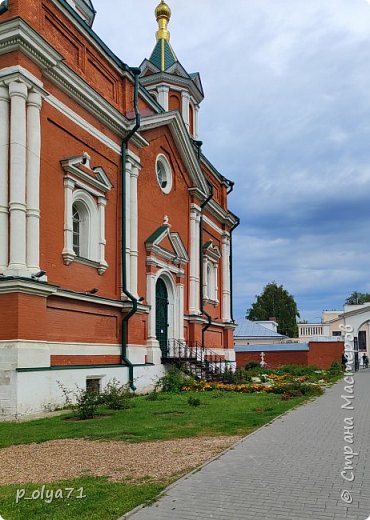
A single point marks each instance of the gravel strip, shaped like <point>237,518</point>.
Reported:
<point>72,458</point>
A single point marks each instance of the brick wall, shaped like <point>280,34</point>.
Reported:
<point>321,354</point>
<point>273,359</point>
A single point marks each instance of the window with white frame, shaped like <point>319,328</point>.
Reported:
<point>164,173</point>
<point>211,255</point>
<point>85,191</point>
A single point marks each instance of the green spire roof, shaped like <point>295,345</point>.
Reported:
<point>163,56</point>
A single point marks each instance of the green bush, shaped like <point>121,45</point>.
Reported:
<point>83,402</point>
<point>86,404</point>
<point>174,380</point>
<point>193,401</point>
<point>116,396</point>
<point>251,365</point>
<point>297,389</point>
<point>298,370</point>
<point>335,368</point>
<point>152,396</point>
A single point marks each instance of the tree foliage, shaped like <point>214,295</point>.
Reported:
<point>357,298</point>
<point>276,302</point>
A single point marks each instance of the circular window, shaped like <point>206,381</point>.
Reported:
<point>164,175</point>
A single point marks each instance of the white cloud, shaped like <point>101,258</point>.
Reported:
<point>287,116</point>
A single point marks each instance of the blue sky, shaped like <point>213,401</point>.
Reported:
<point>287,116</point>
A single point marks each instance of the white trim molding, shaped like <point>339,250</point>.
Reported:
<point>87,187</point>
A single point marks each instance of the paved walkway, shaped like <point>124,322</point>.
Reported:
<point>288,470</point>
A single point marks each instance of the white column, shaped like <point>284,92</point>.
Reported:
<point>226,308</point>
<point>102,202</point>
<point>180,310</point>
<point>17,205</point>
<point>206,290</point>
<point>68,253</point>
<point>33,181</point>
<point>194,260</point>
<point>150,296</point>
<point>216,282</point>
<point>4,186</point>
<point>134,230</point>
<point>185,108</point>
<point>128,223</point>
<point>163,96</point>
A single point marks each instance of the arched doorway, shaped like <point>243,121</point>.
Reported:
<point>161,316</point>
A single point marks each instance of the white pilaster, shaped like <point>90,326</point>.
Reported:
<point>185,107</point>
<point>4,186</point>
<point>226,307</point>
<point>194,260</point>
<point>163,96</point>
<point>102,202</point>
<point>134,230</point>
<point>17,205</point>
<point>128,223</point>
<point>33,181</point>
<point>215,296</point>
<point>180,310</point>
<point>68,253</point>
<point>150,296</point>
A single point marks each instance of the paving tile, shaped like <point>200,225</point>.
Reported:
<point>288,470</point>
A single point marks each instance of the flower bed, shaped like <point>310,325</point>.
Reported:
<point>276,386</point>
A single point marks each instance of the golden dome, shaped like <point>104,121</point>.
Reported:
<point>163,15</point>
<point>163,11</point>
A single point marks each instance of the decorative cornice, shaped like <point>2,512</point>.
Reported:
<point>24,286</point>
<point>79,166</point>
<point>168,79</point>
<point>17,35</point>
<point>182,140</point>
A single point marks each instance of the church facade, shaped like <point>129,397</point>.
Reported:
<point>115,234</point>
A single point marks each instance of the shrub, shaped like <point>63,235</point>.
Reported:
<point>83,402</point>
<point>116,396</point>
<point>193,401</point>
<point>335,368</point>
<point>252,364</point>
<point>86,404</point>
<point>297,370</point>
<point>174,380</point>
<point>152,396</point>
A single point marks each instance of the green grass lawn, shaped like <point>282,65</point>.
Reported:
<point>102,500</point>
<point>167,418</point>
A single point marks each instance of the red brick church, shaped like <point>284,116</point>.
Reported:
<point>115,234</point>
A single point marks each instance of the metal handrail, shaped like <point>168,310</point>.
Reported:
<point>201,361</point>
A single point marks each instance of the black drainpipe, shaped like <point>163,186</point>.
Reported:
<point>237,222</point>
<point>124,331</point>
<point>201,257</point>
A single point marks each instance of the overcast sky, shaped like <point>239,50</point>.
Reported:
<point>287,117</point>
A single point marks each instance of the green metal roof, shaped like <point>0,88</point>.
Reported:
<point>156,234</point>
<point>163,56</point>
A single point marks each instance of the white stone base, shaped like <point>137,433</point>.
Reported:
<point>34,391</point>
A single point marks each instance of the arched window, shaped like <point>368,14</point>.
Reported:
<point>210,272</point>
<point>76,229</point>
<point>82,218</point>
<point>85,198</point>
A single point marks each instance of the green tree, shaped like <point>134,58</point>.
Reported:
<point>357,298</point>
<point>276,302</point>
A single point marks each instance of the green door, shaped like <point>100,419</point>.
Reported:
<point>161,317</point>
